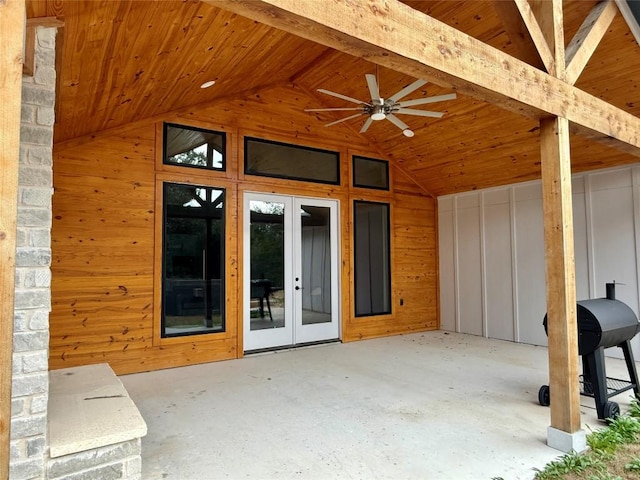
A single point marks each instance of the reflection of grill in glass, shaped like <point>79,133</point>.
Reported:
<point>603,323</point>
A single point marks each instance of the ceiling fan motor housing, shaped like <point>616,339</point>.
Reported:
<point>377,111</point>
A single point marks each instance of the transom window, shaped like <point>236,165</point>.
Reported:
<point>281,160</point>
<point>370,173</point>
<point>194,147</point>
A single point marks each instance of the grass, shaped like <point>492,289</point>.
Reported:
<point>614,453</point>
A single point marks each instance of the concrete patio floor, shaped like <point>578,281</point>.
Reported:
<point>430,405</point>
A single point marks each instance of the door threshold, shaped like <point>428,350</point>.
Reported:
<point>290,347</point>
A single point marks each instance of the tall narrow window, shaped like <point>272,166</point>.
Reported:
<point>194,147</point>
<point>371,258</point>
<point>193,260</point>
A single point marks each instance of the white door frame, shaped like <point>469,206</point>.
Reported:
<point>293,332</point>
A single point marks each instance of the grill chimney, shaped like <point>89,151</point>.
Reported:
<point>611,291</point>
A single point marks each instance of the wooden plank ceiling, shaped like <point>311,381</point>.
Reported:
<point>125,61</point>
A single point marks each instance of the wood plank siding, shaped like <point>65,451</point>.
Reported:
<point>107,234</point>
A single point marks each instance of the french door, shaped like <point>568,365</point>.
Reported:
<point>291,281</point>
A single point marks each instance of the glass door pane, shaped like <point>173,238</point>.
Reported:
<point>290,271</point>
<point>266,259</point>
<point>315,263</point>
<point>267,271</point>
<point>316,254</point>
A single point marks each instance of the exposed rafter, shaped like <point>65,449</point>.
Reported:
<point>518,32</point>
<point>587,38</point>
<point>537,35</point>
<point>394,35</point>
<point>631,17</point>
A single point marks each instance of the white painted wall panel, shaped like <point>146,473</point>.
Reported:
<point>580,239</point>
<point>497,269</point>
<point>530,266</point>
<point>469,261</point>
<point>492,268</point>
<point>613,238</point>
<point>612,231</point>
<point>446,269</point>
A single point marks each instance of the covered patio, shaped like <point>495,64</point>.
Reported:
<point>141,149</point>
<point>359,410</point>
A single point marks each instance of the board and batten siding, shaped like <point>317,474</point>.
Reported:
<point>491,253</point>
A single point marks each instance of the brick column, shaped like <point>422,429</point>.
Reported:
<point>33,273</point>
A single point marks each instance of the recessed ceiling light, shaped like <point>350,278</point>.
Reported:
<point>408,133</point>
<point>208,84</point>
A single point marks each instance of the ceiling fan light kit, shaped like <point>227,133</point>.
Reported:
<point>380,109</point>
<point>376,112</point>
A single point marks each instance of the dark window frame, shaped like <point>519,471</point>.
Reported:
<point>248,171</point>
<point>208,168</point>
<point>354,158</point>
<point>355,259</point>
<point>223,328</point>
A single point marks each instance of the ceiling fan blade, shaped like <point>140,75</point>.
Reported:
<point>339,109</point>
<point>366,125</point>
<point>343,119</point>
<point>424,101</point>
<point>407,90</point>
<point>343,97</point>
<point>397,122</point>
<point>374,90</point>
<point>420,113</point>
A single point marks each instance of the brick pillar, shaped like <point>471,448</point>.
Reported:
<point>33,274</point>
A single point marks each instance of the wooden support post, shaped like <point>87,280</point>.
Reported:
<point>560,267</point>
<point>12,24</point>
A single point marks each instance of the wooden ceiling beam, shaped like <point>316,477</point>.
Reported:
<point>587,38</point>
<point>518,32</point>
<point>537,35</point>
<point>391,34</point>
<point>550,17</point>
<point>630,18</point>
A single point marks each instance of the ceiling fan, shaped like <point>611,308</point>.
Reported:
<point>379,108</point>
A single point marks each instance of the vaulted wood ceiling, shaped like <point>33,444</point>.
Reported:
<point>123,61</point>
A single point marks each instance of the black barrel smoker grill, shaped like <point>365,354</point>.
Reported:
<point>602,323</point>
